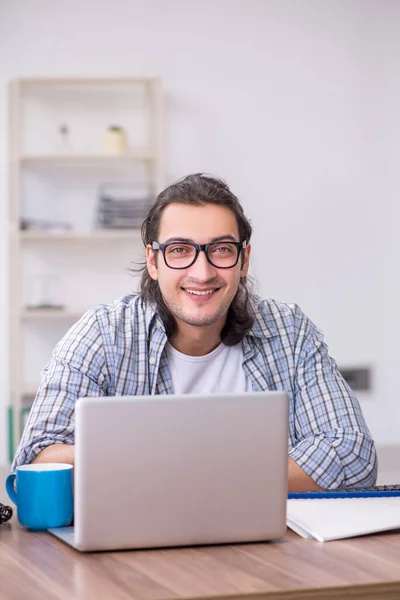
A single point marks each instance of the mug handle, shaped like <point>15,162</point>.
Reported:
<point>10,487</point>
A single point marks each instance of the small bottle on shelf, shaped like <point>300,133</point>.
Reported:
<point>114,141</point>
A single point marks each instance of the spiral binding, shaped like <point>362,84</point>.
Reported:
<point>5,513</point>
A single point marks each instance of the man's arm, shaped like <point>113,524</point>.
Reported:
<point>57,453</point>
<point>298,480</point>
<point>331,441</point>
<point>77,369</point>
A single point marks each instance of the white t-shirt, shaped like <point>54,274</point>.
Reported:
<point>219,371</point>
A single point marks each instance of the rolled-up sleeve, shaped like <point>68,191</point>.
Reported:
<point>333,443</point>
<point>77,369</point>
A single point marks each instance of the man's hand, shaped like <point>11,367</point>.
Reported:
<point>57,453</point>
<point>298,480</point>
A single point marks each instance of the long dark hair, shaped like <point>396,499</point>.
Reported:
<point>199,189</point>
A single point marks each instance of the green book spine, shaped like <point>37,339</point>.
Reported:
<point>10,433</point>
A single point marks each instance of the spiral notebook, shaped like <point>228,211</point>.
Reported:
<point>336,518</point>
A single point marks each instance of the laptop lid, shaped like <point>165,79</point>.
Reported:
<point>156,471</point>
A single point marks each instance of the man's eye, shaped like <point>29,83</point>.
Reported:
<point>223,250</point>
<point>178,250</point>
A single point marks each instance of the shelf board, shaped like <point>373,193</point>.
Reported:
<point>54,81</point>
<point>52,160</point>
<point>100,234</point>
<point>50,314</point>
<point>25,390</point>
<point>29,390</point>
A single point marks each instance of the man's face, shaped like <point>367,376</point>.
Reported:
<point>201,225</point>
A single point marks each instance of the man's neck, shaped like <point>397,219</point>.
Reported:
<point>196,341</point>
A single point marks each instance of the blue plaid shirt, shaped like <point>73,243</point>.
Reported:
<point>118,350</point>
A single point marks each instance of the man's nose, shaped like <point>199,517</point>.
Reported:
<point>201,268</point>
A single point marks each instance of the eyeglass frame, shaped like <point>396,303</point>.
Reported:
<point>199,248</point>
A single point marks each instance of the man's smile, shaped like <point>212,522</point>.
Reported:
<point>200,294</point>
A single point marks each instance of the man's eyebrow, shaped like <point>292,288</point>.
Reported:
<point>220,238</point>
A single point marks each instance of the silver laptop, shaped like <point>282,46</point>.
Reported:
<point>170,470</point>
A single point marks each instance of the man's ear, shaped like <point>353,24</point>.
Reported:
<point>245,261</point>
<point>151,262</point>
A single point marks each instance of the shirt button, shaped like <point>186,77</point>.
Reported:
<point>152,360</point>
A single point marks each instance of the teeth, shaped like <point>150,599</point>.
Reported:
<point>198,293</point>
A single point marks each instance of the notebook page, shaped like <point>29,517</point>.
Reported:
<point>335,518</point>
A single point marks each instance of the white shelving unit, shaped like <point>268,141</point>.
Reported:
<point>45,182</point>
<point>89,236</point>
<point>51,161</point>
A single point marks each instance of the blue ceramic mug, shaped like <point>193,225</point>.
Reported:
<point>43,494</point>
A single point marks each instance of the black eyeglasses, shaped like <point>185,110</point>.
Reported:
<point>181,255</point>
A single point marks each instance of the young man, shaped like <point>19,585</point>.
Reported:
<point>197,327</point>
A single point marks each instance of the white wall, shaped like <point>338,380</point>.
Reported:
<point>295,103</point>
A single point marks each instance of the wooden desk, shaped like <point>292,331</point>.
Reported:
<point>38,566</point>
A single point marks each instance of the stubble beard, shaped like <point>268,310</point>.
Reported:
<point>198,320</point>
